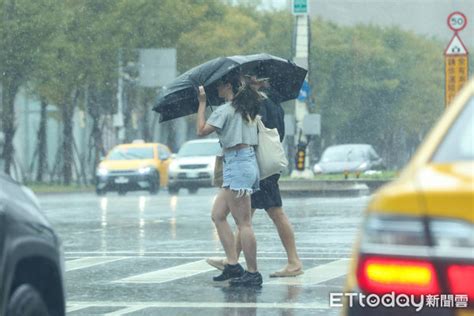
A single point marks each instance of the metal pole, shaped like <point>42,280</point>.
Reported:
<point>118,117</point>
<point>301,57</point>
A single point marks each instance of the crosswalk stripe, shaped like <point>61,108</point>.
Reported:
<point>200,257</point>
<point>142,305</point>
<point>126,310</point>
<point>221,253</point>
<point>319,274</point>
<point>73,308</point>
<point>169,274</point>
<point>88,262</point>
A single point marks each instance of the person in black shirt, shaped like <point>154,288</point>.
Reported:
<point>268,197</point>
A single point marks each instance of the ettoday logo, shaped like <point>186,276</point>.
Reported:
<point>392,300</point>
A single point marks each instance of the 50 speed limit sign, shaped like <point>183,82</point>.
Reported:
<point>457,21</point>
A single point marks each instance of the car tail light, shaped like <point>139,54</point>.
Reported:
<point>455,238</point>
<point>381,275</point>
<point>396,255</point>
<point>461,280</point>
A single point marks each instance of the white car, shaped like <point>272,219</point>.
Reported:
<point>193,166</point>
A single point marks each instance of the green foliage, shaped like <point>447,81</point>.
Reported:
<point>377,86</point>
<point>155,24</point>
<point>82,52</point>
<point>84,37</point>
<point>234,34</point>
<point>24,29</point>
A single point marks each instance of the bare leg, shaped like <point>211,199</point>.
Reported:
<point>220,210</point>
<point>287,236</point>
<point>240,210</point>
<point>238,245</point>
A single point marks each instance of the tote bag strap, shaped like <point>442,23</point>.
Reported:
<point>260,125</point>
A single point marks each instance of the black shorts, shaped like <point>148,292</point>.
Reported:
<point>269,194</point>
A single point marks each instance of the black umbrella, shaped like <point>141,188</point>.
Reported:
<point>179,98</point>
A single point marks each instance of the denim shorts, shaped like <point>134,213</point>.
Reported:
<point>241,171</point>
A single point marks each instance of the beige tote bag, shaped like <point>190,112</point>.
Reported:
<point>271,157</point>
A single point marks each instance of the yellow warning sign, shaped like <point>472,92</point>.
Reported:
<point>456,75</point>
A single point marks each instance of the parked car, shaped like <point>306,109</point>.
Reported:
<point>418,233</point>
<point>132,167</point>
<point>193,167</point>
<point>31,258</point>
<point>348,158</point>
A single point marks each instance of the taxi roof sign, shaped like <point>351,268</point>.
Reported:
<point>455,47</point>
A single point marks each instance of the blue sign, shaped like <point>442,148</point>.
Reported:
<point>305,92</point>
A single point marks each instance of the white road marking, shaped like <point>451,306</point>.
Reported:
<point>200,257</point>
<point>319,274</point>
<point>87,262</point>
<point>131,252</point>
<point>126,310</point>
<point>169,274</point>
<point>142,305</point>
<point>73,308</point>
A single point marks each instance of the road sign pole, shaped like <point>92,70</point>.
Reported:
<point>300,11</point>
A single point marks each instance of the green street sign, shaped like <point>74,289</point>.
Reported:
<point>300,6</point>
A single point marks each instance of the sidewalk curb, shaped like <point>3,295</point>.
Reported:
<point>350,187</point>
<point>297,187</point>
<point>63,192</point>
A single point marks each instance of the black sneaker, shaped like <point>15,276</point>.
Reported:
<point>248,279</point>
<point>229,272</point>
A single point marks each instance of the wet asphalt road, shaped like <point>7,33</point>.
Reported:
<point>144,255</point>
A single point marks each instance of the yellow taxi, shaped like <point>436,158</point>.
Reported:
<point>415,253</point>
<point>132,167</point>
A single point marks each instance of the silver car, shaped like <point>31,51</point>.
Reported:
<point>348,158</point>
<point>193,166</point>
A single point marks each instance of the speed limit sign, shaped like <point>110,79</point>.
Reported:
<point>457,21</point>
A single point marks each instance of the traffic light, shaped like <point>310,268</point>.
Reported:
<point>300,158</point>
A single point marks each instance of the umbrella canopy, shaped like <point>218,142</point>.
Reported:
<point>179,98</point>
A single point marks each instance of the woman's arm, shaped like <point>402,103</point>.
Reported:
<point>202,129</point>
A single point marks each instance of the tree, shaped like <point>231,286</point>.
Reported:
<point>79,64</point>
<point>373,85</point>
<point>42,143</point>
<point>26,26</point>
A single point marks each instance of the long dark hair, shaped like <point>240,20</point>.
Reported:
<point>246,97</point>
